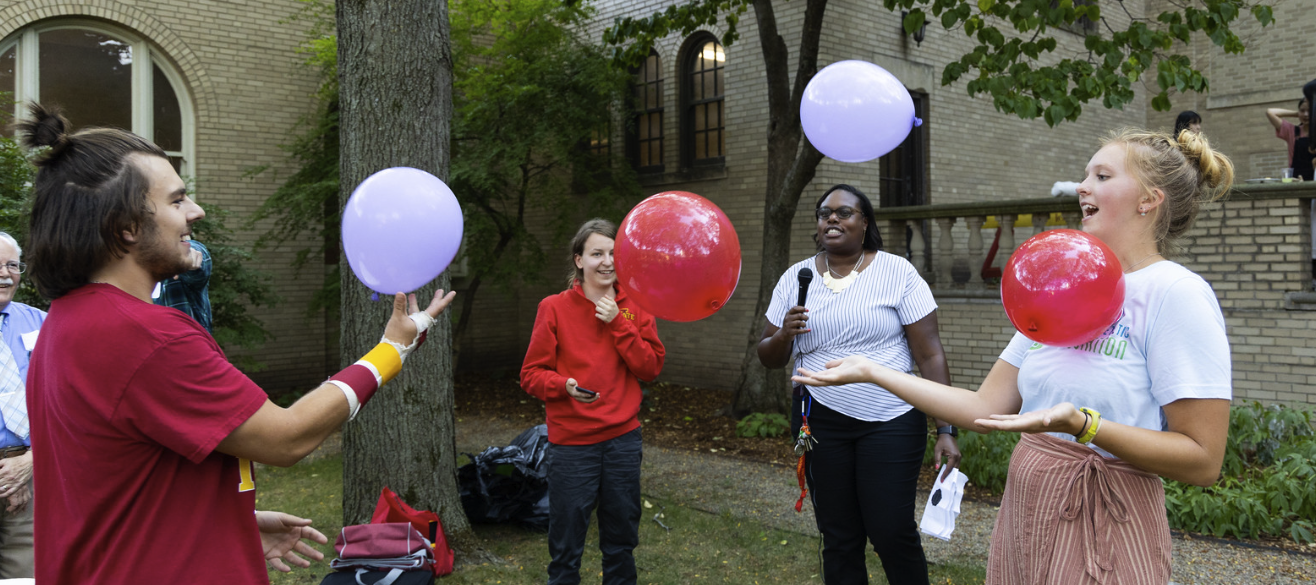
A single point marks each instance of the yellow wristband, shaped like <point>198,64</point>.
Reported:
<point>1091,432</point>
<point>386,360</point>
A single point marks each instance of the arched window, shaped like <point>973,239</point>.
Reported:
<point>704,119</point>
<point>645,144</point>
<point>101,76</point>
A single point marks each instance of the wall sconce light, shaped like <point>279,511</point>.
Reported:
<point>918,34</point>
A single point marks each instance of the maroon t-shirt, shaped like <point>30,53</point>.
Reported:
<point>127,402</point>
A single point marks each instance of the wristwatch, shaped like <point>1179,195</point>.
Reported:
<point>948,430</point>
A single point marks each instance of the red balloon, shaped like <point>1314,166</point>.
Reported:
<point>1063,288</point>
<point>678,256</point>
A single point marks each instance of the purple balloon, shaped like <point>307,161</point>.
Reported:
<point>401,229</point>
<point>855,111</point>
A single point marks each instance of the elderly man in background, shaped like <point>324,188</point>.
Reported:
<point>18,328</point>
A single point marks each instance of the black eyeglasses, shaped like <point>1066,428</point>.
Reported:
<point>15,267</point>
<point>842,213</point>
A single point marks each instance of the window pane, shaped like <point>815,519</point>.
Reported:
<point>718,122</point>
<point>90,75</point>
<point>168,117</point>
<point>643,126</point>
<point>651,68</point>
<point>710,87</point>
<point>7,86</point>
<point>719,88</point>
<point>701,117</point>
<point>721,142</point>
<point>177,163</point>
<point>651,97</point>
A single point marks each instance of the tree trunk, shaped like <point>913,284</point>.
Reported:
<point>395,75</point>
<point>792,162</point>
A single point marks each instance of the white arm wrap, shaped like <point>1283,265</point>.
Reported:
<point>423,322</point>
<point>353,403</point>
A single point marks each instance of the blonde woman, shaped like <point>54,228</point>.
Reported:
<point>1084,502</point>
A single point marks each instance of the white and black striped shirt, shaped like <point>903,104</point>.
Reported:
<point>867,319</point>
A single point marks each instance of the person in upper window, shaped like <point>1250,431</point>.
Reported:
<point>1187,120</point>
<point>1290,133</point>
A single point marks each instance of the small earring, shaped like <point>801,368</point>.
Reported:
<point>1142,212</point>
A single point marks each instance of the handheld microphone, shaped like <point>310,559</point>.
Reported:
<point>806,276</point>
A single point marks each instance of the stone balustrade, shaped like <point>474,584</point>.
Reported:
<point>1254,245</point>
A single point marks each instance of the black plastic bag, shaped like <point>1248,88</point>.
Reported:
<point>508,484</point>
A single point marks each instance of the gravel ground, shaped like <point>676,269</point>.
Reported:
<point>767,493</point>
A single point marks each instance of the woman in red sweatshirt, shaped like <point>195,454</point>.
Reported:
<point>590,347</point>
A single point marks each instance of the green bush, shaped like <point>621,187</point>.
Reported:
<point>1265,491</point>
<point>761,424</point>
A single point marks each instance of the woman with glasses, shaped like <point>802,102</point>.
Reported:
<point>866,444</point>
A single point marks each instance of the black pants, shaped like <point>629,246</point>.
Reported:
<point>863,479</point>
<point>580,477</point>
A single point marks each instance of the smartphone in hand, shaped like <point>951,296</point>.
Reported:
<point>589,393</point>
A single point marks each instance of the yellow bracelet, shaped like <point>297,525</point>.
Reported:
<point>1091,433</point>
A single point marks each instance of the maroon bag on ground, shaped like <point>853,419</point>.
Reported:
<point>391,508</point>
<point>379,541</point>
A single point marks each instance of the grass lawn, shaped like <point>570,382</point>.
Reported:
<point>701,547</point>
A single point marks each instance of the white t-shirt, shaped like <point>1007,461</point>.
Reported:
<point>1168,344</point>
<point>867,319</point>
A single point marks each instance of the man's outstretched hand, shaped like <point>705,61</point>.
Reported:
<point>282,537</point>
<point>403,328</point>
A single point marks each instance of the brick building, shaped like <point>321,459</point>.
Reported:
<point>219,85</point>
<point>1251,248</point>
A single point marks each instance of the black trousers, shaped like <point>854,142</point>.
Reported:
<point>863,480</point>
<point>581,477</point>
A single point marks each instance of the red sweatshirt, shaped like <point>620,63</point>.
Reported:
<point>608,358</point>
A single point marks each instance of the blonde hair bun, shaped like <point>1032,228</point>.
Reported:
<point>1215,168</point>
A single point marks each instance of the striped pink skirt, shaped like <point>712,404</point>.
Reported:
<point>1070,516</point>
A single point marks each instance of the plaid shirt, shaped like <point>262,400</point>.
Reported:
<point>190,292</point>
<point>15,320</point>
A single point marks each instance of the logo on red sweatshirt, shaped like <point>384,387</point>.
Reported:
<point>627,314</point>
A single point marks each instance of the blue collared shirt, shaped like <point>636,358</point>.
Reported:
<point>190,292</point>
<point>18,319</point>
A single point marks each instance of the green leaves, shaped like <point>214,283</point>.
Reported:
<point>914,21</point>
<point>529,91</point>
<point>1014,61</point>
<point>1269,467</point>
<point>633,38</point>
<point>762,424</point>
